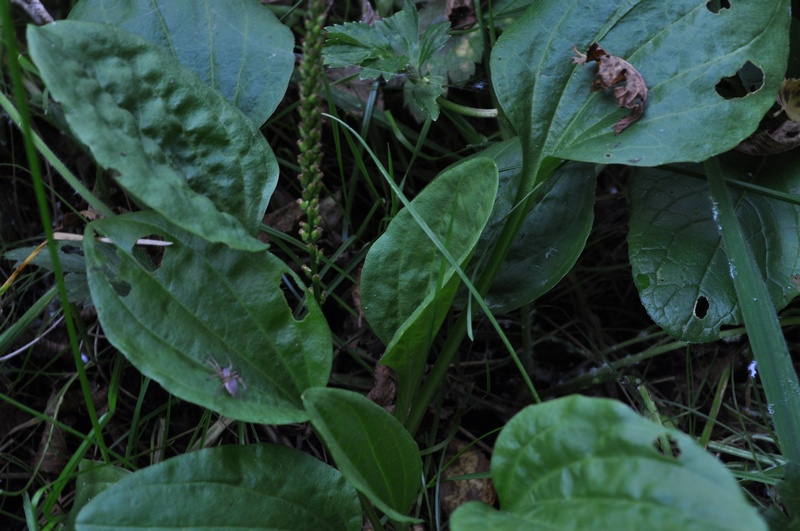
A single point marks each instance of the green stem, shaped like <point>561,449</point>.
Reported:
<point>467,111</point>
<point>766,339</point>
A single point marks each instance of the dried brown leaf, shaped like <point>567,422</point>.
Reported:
<point>453,494</point>
<point>629,87</point>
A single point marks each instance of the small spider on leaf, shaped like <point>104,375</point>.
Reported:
<point>230,379</point>
<point>613,72</point>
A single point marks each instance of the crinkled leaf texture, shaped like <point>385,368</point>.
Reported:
<point>552,236</point>
<point>407,286</point>
<point>679,264</point>
<point>371,448</point>
<point>588,463</point>
<point>201,302</point>
<point>238,47</point>
<point>682,50</point>
<point>175,144</point>
<point>259,486</point>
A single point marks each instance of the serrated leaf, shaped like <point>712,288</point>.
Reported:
<point>238,47</point>
<point>201,302</point>
<point>679,264</point>
<point>371,448</point>
<point>588,463</point>
<point>257,486</point>
<point>552,236</point>
<point>390,47</point>
<point>406,285</point>
<point>176,145</point>
<point>547,99</point>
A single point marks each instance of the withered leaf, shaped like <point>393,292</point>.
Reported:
<point>613,72</point>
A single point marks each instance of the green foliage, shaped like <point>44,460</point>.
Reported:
<point>391,47</point>
<point>172,331</point>
<point>407,286</point>
<point>218,320</point>
<point>581,463</point>
<point>547,98</point>
<point>175,144</point>
<point>198,490</point>
<point>223,42</point>
<point>679,263</point>
<point>552,236</point>
<point>371,448</point>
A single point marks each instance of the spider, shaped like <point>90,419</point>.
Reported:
<point>230,379</point>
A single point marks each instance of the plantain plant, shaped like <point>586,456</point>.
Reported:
<point>169,103</point>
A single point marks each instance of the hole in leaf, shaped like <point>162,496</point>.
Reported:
<point>149,252</point>
<point>667,446</point>
<point>295,297</point>
<point>701,307</point>
<point>71,249</point>
<point>748,79</point>
<point>715,6</point>
<point>121,287</point>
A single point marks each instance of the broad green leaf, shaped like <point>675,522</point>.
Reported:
<point>402,269</point>
<point>681,48</point>
<point>172,316</point>
<point>176,145</point>
<point>406,284</point>
<point>238,47</point>
<point>94,478</point>
<point>679,264</point>
<point>552,237</point>
<point>372,449</point>
<point>259,486</point>
<point>588,463</point>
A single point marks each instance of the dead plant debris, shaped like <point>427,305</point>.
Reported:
<point>613,72</point>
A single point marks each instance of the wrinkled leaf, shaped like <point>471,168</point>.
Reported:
<point>588,463</point>
<point>371,448</point>
<point>238,47</point>
<point>257,486</point>
<point>176,145</point>
<point>546,97</point>
<point>406,284</point>
<point>679,265</point>
<point>550,240</point>
<point>172,315</point>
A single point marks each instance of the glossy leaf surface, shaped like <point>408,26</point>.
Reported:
<point>371,448</point>
<point>176,145</point>
<point>586,463</point>
<point>546,97</point>
<point>257,486</point>
<point>679,264</point>
<point>238,47</point>
<point>173,315</point>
